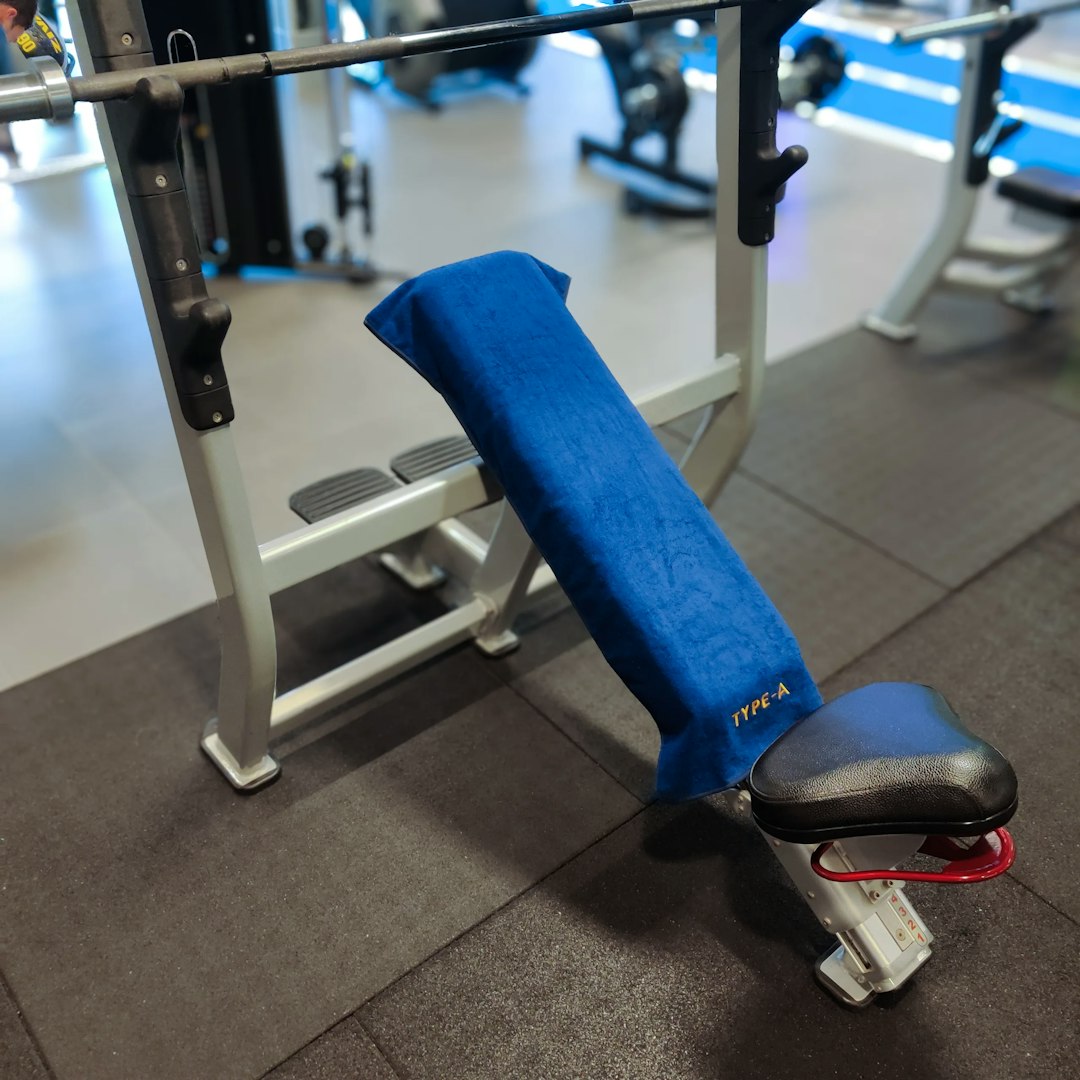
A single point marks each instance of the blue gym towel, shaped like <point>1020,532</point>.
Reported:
<point>672,607</point>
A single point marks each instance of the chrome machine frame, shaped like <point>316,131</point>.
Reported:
<point>1022,273</point>
<point>501,576</point>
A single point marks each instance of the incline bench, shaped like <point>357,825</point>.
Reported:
<point>844,791</point>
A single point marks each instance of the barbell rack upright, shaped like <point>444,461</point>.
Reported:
<point>139,110</point>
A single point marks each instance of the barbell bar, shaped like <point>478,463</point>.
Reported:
<point>44,92</point>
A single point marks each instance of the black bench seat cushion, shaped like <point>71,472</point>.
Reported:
<point>1049,190</point>
<point>887,758</point>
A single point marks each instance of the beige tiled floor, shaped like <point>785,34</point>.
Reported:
<point>97,536</point>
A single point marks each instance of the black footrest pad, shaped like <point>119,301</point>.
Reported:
<point>1050,190</point>
<point>432,457</point>
<point>327,497</point>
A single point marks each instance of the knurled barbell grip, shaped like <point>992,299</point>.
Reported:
<point>120,83</point>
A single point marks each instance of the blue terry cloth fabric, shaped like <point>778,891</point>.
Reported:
<point>669,602</point>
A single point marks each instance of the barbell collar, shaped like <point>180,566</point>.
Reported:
<point>43,92</point>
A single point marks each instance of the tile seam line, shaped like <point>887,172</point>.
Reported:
<point>979,574</point>
<point>565,735</point>
<point>383,1052</point>
<point>326,1031</point>
<point>1011,875</point>
<point>1002,386</point>
<point>839,526</point>
<point>24,1023</point>
<point>355,1013</point>
<point>496,911</point>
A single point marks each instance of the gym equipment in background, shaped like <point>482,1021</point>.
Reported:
<point>812,73</point>
<point>419,76</point>
<point>1046,201</point>
<point>883,759</point>
<point>645,62</point>
<point>234,155</point>
<point>273,176</point>
<point>349,176</point>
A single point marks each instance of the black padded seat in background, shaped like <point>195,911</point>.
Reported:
<point>1049,190</point>
<point>887,758</point>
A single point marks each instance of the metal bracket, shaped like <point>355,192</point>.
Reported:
<point>763,171</point>
<point>193,325</point>
<point>988,132</point>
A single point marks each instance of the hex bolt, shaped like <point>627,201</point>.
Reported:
<point>127,39</point>
<point>217,418</point>
<point>161,180</point>
<point>208,380</point>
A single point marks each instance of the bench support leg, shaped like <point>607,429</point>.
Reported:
<point>881,940</point>
<point>503,581</point>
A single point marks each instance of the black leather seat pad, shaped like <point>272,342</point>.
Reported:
<point>1049,190</point>
<point>888,758</point>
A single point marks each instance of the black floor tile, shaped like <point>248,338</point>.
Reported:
<point>1005,651</point>
<point>943,471</point>
<point>838,594</point>
<point>19,1058</point>
<point>675,949</point>
<point>158,924</point>
<point>1039,357</point>
<point>579,692</point>
<point>345,1052</point>
<point>360,606</point>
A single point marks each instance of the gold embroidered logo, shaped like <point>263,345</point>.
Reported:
<point>747,711</point>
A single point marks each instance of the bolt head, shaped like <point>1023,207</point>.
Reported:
<point>127,39</point>
<point>208,380</point>
<point>826,922</point>
<point>181,265</point>
<point>217,418</point>
<point>161,180</point>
